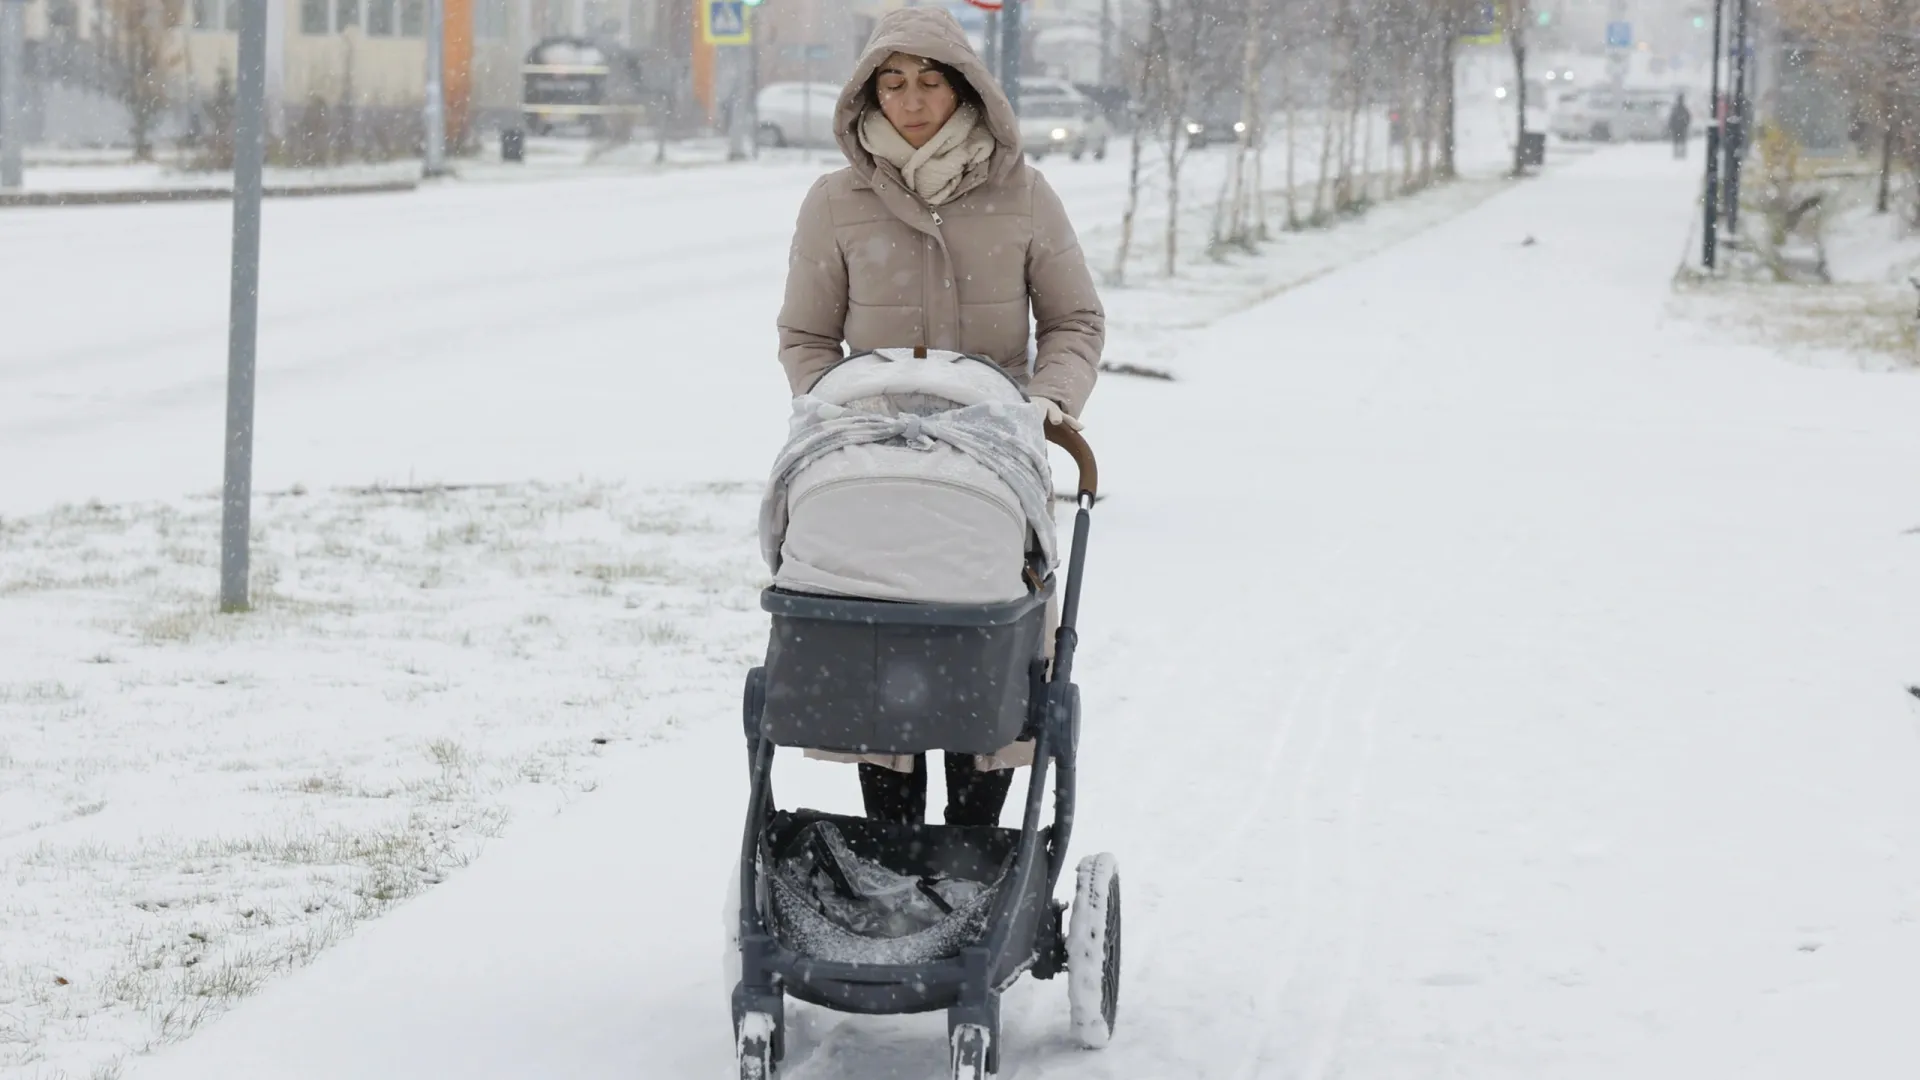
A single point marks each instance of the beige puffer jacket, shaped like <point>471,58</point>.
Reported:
<point>874,267</point>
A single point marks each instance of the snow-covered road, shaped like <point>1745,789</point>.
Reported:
<point>1488,675</point>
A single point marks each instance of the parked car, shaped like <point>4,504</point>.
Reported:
<point>1600,114</point>
<point>1071,124</point>
<point>796,113</point>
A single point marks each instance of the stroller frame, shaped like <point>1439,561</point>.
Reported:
<point>1025,928</point>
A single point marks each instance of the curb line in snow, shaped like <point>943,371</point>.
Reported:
<point>208,194</point>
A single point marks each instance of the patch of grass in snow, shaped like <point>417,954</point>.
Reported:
<point>1870,327</point>
<point>382,731</point>
<point>635,570</point>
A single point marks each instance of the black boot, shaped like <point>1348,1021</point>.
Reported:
<point>974,797</point>
<point>894,796</point>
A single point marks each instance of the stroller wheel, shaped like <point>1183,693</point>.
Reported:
<point>972,1052</point>
<point>1093,951</point>
<point>755,1047</point>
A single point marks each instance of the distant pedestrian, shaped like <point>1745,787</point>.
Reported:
<point>1680,126</point>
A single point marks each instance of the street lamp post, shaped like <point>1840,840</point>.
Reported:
<point>1737,117</point>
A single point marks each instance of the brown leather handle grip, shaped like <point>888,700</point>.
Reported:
<point>1075,444</point>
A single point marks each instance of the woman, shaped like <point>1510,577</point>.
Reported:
<point>937,233</point>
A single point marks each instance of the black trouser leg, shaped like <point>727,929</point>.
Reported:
<point>975,797</point>
<point>895,796</point>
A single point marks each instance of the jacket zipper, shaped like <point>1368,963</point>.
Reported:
<point>928,268</point>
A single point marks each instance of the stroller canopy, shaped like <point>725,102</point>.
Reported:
<point>920,479</point>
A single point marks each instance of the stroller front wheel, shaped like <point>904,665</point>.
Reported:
<point>756,1046</point>
<point>1093,950</point>
<point>972,1052</point>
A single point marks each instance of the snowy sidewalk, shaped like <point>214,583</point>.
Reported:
<point>1487,676</point>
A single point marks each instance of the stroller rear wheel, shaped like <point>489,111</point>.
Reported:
<point>1093,950</point>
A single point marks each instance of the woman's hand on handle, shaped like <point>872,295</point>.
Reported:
<point>1057,416</point>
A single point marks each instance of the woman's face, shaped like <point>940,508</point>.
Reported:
<point>915,97</point>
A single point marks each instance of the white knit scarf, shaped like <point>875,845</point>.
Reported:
<point>938,171</point>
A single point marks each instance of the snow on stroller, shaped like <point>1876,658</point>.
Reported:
<point>909,526</point>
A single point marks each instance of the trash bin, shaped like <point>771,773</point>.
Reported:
<point>1533,148</point>
<point>513,145</point>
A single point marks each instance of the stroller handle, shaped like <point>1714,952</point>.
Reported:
<point>1075,444</point>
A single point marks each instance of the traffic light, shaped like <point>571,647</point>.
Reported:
<point>1699,22</point>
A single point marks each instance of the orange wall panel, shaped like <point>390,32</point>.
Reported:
<point>457,68</point>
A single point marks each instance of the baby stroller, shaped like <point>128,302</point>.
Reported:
<point>892,637</point>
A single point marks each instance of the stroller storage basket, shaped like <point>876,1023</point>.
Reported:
<point>975,859</point>
<point>883,677</point>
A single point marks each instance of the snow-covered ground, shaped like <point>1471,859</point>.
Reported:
<point>1489,673</point>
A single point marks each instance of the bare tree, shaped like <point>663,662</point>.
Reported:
<point>1143,69</point>
<point>1519,15</point>
<point>1177,34</point>
<point>1869,48</point>
<point>140,42</point>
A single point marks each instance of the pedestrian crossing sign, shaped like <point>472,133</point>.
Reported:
<point>724,22</point>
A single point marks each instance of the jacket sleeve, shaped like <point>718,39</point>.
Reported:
<point>814,315</point>
<point>1068,319</point>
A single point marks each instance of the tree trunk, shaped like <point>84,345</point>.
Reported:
<point>1448,80</point>
<point>1133,208</point>
<point>1293,116</point>
<point>1173,191</point>
<point>1520,104</point>
<point>1886,170</point>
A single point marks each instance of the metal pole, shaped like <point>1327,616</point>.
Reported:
<point>13,88</point>
<point>435,114</point>
<point>1737,118</point>
<point>732,60</point>
<point>993,43</point>
<point>1010,52</point>
<point>753,89</point>
<point>243,318</point>
<point>1106,43</point>
<point>1710,242</point>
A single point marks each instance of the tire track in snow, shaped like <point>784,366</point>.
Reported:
<point>1362,884</point>
<point>1304,859</point>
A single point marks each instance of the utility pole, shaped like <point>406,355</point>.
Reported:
<point>13,89</point>
<point>1710,242</point>
<point>243,318</point>
<point>1737,117</point>
<point>436,107</point>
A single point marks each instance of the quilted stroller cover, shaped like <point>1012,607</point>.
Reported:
<point>919,479</point>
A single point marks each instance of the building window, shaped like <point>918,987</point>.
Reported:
<point>346,13</point>
<point>413,18</point>
<point>230,15</point>
<point>380,18</point>
<point>205,15</point>
<point>314,15</point>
